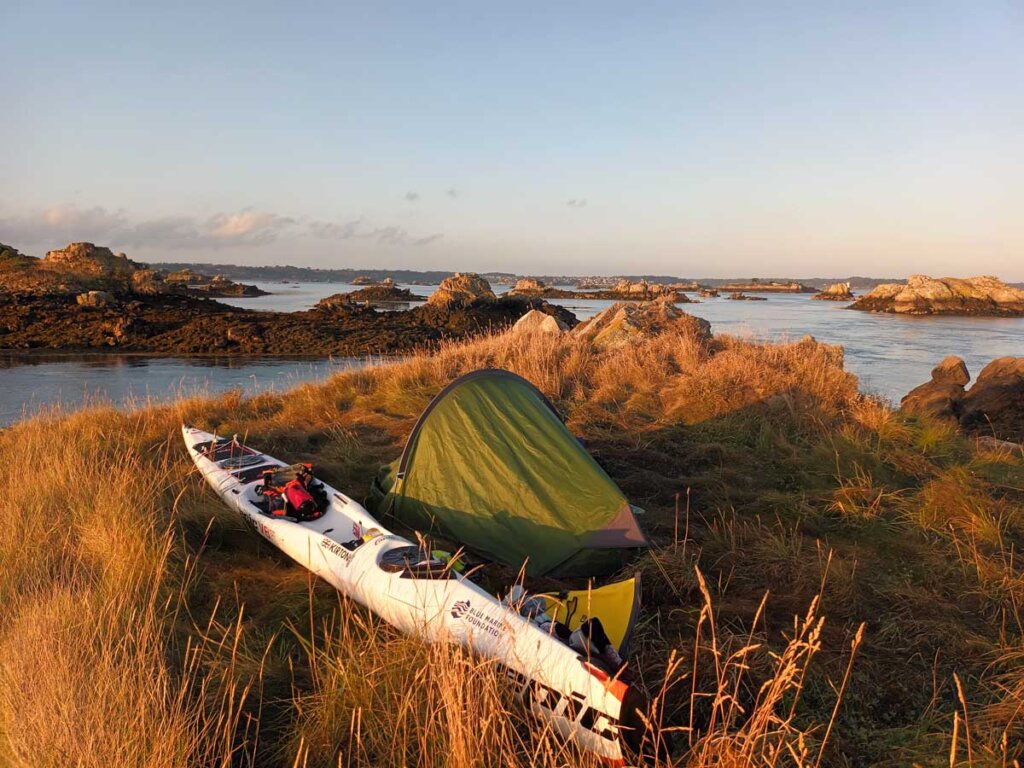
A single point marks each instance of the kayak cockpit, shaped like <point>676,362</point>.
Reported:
<point>229,453</point>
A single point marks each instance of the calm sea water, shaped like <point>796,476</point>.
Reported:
<point>890,354</point>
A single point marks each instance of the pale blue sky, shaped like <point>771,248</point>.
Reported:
<point>701,139</point>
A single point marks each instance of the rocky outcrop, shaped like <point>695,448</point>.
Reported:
<point>835,292</point>
<point>221,287</point>
<point>149,282</point>
<point>939,398</point>
<point>993,406</point>
<point>184,324</point>
<point>187,277</point>
<point>740,296</point>
<point>623,290</point>
<point>82,267</point>
<point>645,291</point>
<point>624,323</point>
<point>529,286</point>
<point>88,260</point>
<point>537,322</point>
<point>460,290</point>
<point>923,295</point>
<point>204,285</point>
<point>708,293</point>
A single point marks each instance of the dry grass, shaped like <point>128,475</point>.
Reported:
<point>141,625</point>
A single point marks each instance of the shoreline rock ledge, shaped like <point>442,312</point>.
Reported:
<point>923,295</point>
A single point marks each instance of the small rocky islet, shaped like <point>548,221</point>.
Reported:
<point>622,290</point>
<point>924,295</point>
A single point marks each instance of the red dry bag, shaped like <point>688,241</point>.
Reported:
<point>302,503</point>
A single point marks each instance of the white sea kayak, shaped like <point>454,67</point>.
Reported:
<point>352,551</point>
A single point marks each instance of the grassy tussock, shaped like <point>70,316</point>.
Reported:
<point>142,625</point>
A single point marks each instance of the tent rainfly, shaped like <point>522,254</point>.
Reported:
<point>490,466</point>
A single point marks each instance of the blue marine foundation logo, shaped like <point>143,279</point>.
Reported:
<point>476,617</point>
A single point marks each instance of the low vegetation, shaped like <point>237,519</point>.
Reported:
<point>830,583</point>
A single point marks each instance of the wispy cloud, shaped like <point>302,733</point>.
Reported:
<point>390,235</point>
<point>576,203</point>
<point>59,224</point>
<point>332,230</point>
<point>54,226</point>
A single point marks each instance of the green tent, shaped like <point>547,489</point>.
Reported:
<point>490,465</point>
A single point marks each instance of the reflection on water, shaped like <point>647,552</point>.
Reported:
<point>29,383</point>
<point>889,353</point>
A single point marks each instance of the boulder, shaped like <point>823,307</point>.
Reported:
<point>537,322</point>
<point>923,295</point>
<point>994,405</point>
<point>95,299</point>
<point>835,292</point>
<point>708,293</point>
<point>625,323</point>
<point>941,397</point>
<point>461,289</point>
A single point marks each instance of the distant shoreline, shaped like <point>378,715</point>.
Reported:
<point>278,273</point>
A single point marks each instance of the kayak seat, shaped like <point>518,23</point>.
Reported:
<point>413,563</point>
